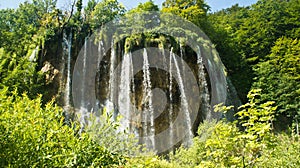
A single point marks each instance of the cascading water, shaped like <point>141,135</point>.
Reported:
<point>171,99</point>
<point>205,99</point>
<point>67,47</point>
<point>110,106</point>
<point>124,94</point>
<point>83,105</point>
<point>133,111</point>
<point>83,108</point>
<point>182,61</point>
<point>112,73</point>
<point>184,104</point>
<point>148,113</point>
<point>165,64</point>
<point>123,90</point>
<point>100,55</point>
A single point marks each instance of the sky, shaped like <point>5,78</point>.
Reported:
<point>215,4</point>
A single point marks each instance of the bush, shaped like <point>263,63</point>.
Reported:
<point>21,74</point>
<point>35,136</point>
<point>284,153</point>
<point>149,161</point>
<point>106,131</point>
<point>223,144</point>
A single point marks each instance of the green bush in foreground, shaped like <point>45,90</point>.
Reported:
<point>284,153</point>
<point>35,136</point>
<point>224,144</point>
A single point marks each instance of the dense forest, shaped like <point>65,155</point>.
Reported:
<point>258,44</point>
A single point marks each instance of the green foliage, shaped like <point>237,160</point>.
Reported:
<point>266,22</point>
<point>222,144</point>
<point>136,21</point>
<point>189,10</point>
<point>223,26</point>
<point>104,131</point>
<point>21,26</point>
<point>106,11</point>
<point>77,15</point>
<point>218,145</point>
<point>256,118</point>
<point>143,7</point>
<point>149,161</point>
<point>24,32</point>
<point>284,153</point>
<point>248,33</point>
<point>89,9</point>
<point>193,11</point>
<point>20,73</point>
<point>36,136</point>
<point>6,25</point>
<point>279,77</point>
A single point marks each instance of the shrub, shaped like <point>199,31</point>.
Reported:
<point>223,144</point>
<point>36,136</point>
<point>283,153</point>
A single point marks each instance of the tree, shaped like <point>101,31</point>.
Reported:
<point>224,24</point>
<point>25,31</point>
<point>223,144</point>
<point>27,25</point>
<point>143,7</point>
<point>279,77</point>
<point>136,16</point>
<point>244,36</point>
<point>89,9</point>
<point>7,22</point>
<point>20,74</point>
<point>106,11</point>
<point>266,23</point>
<point>192,10</point>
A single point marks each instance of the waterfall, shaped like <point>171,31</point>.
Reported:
<point>101,49</point>
<point>83,105</point>
<point>165,66</point>
<point>124,94</point>
<point>68,47</point>
<point>205,99</point>
<point>101,53</point>
<point>182,62</point>
<point>147,101</point>
<point>112,72</point>
<point>132,129</point>
<point>184,104</point>
<point>83,109</point>
<point>171,99</point>
<point>123,90</point>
